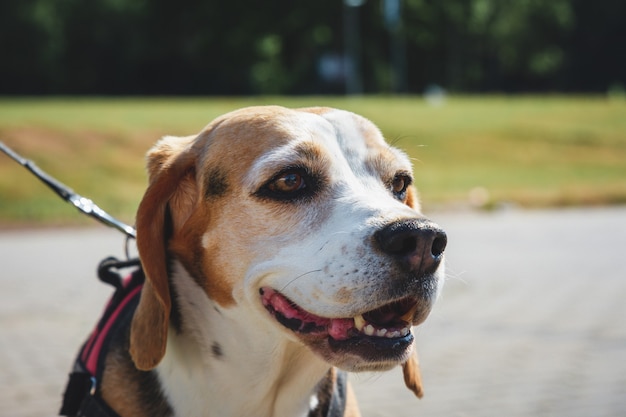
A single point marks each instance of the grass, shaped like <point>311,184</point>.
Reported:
<point>528,150</point>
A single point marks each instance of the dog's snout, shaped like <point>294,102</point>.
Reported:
<point>417,243</point>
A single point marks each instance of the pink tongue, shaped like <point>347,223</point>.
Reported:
<point>281,304</point>
<point>338,328</point>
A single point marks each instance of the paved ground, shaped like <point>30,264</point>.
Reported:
<point>532,321</point>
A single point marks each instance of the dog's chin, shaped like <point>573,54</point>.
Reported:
<point>362,353</point>
<point>375,340</point>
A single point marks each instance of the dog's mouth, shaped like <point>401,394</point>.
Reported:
<point>388,326</point>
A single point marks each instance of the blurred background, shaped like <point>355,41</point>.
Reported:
<point>195,47</point>
<point>514,115</point>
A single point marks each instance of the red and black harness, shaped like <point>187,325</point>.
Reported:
<point>82,396</point>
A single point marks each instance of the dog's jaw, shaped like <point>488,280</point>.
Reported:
<point>375,340</point>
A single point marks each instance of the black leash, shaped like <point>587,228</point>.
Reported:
<point>83,204</point>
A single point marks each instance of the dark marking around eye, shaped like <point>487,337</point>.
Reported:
<point>215,184</point>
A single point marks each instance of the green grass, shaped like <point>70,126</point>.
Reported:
<point>529,150</point>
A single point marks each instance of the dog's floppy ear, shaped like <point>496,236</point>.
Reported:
<point>412,375</point>
<point>171,168</point>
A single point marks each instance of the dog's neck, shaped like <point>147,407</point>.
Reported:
<point>225,362</point>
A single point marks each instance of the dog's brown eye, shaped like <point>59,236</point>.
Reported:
<point>289,182</point>
<point>292,184</point>
<point>399,184</point>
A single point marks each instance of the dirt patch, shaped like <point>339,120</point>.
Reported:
<point>29,140</point>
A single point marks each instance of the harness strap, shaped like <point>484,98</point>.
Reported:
<point>337,405</point>
<point>77,390</point>
<point>82,397</point>
<point>332,395</point>
<point>92,351</point>
<point>94,407</point>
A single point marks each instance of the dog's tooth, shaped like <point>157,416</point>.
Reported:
<point>392,335</point>
<point>409,315</point>
<point>369,330</point>
<point>381,332</point>
<point>405,331</point>
<point>359,322</point>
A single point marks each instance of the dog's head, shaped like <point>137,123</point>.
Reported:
<point>306,218</point>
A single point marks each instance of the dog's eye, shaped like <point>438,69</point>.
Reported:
<point>291,184</point>
<point>287,183</point>
<point>399,184</point>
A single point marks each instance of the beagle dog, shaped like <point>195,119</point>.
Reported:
<point>280,248</point>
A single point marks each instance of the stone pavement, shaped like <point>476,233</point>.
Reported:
<point>532,320</point>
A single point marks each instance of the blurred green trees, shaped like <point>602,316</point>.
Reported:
<point>297,47</point>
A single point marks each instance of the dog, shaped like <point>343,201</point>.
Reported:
<point>280,249</point>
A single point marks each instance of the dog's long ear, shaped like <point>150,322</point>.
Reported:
<point>171,168</point>
<point>412,375</point>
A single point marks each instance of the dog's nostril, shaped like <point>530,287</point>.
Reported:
<point>439,244</point>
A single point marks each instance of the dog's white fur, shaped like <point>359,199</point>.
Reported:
<point>318,253</point>
<point>193,380</point>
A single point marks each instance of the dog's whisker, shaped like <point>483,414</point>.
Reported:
<point>298,277</point>
<point>328,241</point>
<point>397,139</point>
<point>324,245</point>
<point>451,274</point>
<point>366,376</point>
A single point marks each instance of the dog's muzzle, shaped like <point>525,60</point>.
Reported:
<point>381,335</point>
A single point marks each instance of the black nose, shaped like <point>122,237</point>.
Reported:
<point>418,244</point>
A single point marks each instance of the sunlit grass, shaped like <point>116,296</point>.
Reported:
<point>529,150</point>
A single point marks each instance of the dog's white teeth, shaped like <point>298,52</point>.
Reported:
<point>369,329</point>
<point>359,322</point>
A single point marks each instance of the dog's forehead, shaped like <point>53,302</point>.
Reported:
<point>363,145</point>
<point>314,136</point>
<point>355,134</point>
<point>246,134</point>
<point>265,138</point>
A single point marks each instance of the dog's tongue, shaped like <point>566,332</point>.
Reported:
<point>390,321</point>
<point>283,305</point>
<point>338,328</point>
